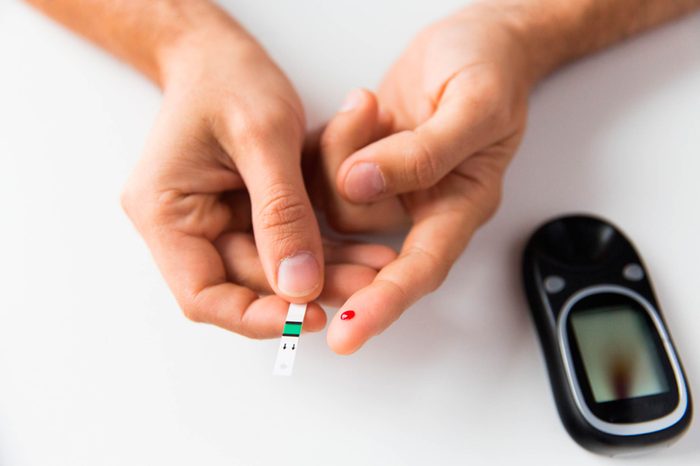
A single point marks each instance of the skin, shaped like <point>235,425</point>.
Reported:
<point>219,195</point>
<point>441,130</point>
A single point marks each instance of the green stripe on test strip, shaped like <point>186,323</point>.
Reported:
<point>292,329</point>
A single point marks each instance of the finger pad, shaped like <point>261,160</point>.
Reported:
<point>375,308</point>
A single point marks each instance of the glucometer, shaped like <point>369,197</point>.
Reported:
<point>617,380</point>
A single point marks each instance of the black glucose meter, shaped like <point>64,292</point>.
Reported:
<point>618,382</point>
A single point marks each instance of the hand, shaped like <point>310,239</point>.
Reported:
<point>432,146</point>
<point>227,142</point>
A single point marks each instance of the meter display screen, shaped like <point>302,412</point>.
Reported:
<point>619,354</point>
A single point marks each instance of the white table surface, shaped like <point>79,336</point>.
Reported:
<point>98,366</point>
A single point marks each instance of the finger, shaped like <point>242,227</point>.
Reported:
<point>195,273</point>
<point>242,262</point>
<point>440,234</point>
<point>374,256</point>
<point>342,280</point>
<point>267,154</point>
<point>467,119</point>
<point>358,123</point>
<point>348,267</point>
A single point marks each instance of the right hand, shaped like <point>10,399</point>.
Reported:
<point>224,158</point>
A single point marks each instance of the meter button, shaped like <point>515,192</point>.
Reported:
<point>633,272</point>
<point>554,284</point>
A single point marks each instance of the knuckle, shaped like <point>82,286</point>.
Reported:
<point>484,195</point>
<point>284,209</point>
<point>140,203</point>
<point>492,187</point>
<point>192,311</point>
<point>190,303</point>
<point>126,200</point>
<point>438,268</point>
<point>500,115</point>
<point>422,166</point>
<point>398,288</point>
<point>194,306</point>
<point>329,140</point>
<point>493,98</point>
<point>491,85</point>
<point>251,123</point>
<point>493,200</point>
<point>136,206</point>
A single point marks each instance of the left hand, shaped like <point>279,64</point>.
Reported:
<point>432,146</point>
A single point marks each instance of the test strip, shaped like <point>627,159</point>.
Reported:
<point>289,343</point>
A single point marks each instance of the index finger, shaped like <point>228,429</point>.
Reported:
<point>440,233</point>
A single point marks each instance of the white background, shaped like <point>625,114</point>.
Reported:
<point>98,367</point>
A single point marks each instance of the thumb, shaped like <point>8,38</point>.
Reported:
<point>284,224</point>
<point>417,159</point>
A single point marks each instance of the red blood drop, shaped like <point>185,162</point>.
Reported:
<point>347,315</point>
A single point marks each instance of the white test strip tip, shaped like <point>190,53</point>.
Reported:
<point>289,343</point>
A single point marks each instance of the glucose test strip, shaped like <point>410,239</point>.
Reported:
<point>289,343</point>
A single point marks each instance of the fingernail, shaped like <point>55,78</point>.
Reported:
<point>353,100</point>
<point>347,315</point>
<point>298,275</point>
<point>364,182</point>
